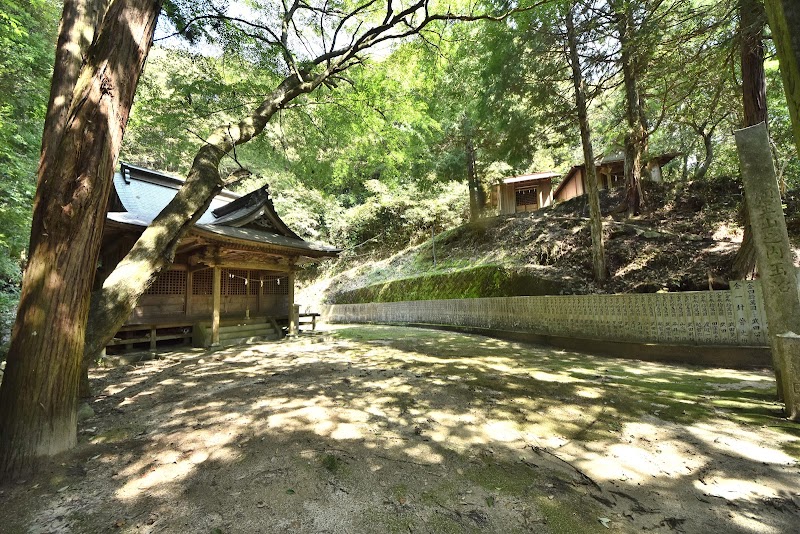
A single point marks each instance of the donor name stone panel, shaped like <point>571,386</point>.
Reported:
<point>728,317</point>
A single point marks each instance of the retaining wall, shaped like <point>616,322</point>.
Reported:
<point>728,318</point>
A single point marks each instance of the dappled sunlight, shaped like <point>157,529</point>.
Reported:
<point>371,404</point>
<point>733,439</point>
<point>589,393</point>
<point>734,488</point>
<point>727,231</point>
<point>752,523</point>
<point>503,431</point>
<point>553,377</point>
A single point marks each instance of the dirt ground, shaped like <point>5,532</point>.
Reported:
<point>374,429</point>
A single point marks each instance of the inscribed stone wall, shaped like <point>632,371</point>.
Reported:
<point>731,317</point>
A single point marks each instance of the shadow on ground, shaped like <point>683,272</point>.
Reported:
<point>388,429</point>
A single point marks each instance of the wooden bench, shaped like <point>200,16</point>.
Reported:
<point>312,322</point>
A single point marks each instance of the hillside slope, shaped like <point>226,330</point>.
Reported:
<point>685,241</point>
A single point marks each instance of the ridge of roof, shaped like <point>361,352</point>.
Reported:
<point>542,175</point>
<point>253,198</point>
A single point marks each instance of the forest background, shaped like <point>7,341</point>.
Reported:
<point>381,160</point>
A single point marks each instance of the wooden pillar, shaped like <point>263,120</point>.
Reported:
<point>216,291</point>
<point>187,303</point>
<point>259,293</point>
<point>247,296</point>
<point>292,314</point>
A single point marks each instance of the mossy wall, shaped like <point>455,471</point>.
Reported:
<point>483,281</point>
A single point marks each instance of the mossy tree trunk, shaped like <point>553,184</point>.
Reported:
<point>100,53</point>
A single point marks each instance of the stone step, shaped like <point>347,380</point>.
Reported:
<point>252,339</point>
<point>225,335</point>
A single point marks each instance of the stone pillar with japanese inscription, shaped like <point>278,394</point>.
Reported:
<point>774,259</point>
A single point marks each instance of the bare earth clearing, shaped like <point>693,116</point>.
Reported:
<point>383,429</point>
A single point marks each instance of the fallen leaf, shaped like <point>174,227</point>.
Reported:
<point>604,521</point>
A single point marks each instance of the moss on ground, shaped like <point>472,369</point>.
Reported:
<point>625,389</point>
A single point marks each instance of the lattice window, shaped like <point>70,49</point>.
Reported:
<point>276,285</point>
<point>234,282</point>
<point>168,283</point>
<point>527,197</point>
<point>202,282</point>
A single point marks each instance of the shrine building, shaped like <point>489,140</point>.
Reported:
<point>233,277</point>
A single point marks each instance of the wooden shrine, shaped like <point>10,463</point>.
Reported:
<point>233,275</point>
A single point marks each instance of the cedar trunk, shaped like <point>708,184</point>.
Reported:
<point>752,19</point>
<point>635,137</point>
<point>472,182</point>
<point>595,217</point>
<point>91,95</point>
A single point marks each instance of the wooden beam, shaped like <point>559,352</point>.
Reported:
<point>190,244</point>
<point>255,266</point>
<point>216,290</point>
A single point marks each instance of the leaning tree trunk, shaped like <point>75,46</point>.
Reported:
<point>709,148</point>
<point>595,217</point>
<point>91,95</point>
<point>754,100</point>
<point>636,133</point>
<point>784,19</point>
<point>155,248</point>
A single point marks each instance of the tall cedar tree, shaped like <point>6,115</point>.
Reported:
<point>752,19</point>
<point>100,53</point>
<point>595,217</point>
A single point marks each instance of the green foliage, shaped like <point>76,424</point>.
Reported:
<point>393,217</point>
<point>27,39</point>
<point>780,127</point>
<point>366,164</point>
<point>183,97</point>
